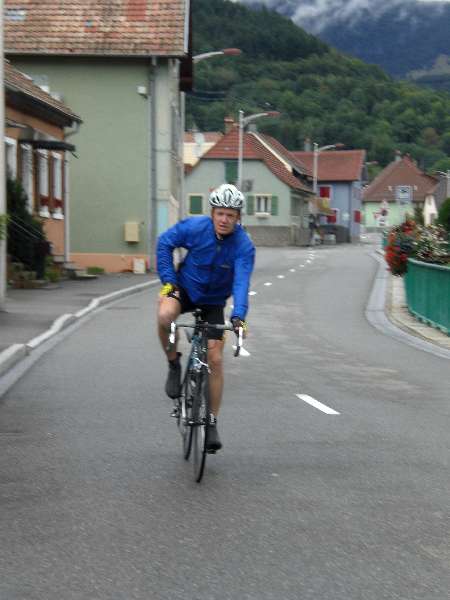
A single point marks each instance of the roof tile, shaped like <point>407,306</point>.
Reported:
<point>253,149</point>
<point>335,165</point>
<point>17,81</point>
<point>103,27</point>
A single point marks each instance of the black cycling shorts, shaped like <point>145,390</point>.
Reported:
<point>211,313</point>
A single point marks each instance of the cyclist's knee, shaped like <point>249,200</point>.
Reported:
<point>215,361</point>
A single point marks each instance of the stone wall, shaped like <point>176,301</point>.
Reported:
<point>277,236</point>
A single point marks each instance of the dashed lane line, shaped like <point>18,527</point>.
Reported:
<point>316,404</point>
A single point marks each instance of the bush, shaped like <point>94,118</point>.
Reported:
<point>27,243</point>
<point>400,246</point>
<point>95,270</point>
<point>409,240</point>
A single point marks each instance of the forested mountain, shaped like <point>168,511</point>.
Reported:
<point>321,93</point>
<point>398,35</point>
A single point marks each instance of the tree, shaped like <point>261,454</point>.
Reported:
<point>444,215</point>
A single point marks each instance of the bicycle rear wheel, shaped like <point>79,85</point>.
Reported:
<point>200,419</point>
<point>184,417</point>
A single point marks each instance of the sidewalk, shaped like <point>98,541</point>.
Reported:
<point>39,312</point>
<point>398,313</point>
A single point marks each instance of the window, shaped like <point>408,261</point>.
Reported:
<point>231,171</point>
<point>262,204</point>
<point>26,175</point>
<point>195,204</point>
<point>57,186</point>
<point>11,157</point>
<point>325,191</point>
<point>43,187</point>
<point>334,218</point>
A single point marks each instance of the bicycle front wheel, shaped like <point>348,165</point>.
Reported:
<point>184,418</point>
<point>200,422</point>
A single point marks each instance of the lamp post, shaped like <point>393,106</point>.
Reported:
<point>2,173</point>
<point>317,151</point>
<point>195,59</point>
<point>243,122</point>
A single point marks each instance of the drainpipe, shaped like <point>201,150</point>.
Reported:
<point>153,197</point>
<point>67,197</point>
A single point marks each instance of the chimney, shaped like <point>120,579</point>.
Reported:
<point>398,156</point>
<point>229,124</point>
<point>307,145</point>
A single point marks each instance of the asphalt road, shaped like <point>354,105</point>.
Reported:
<point>96,501</point>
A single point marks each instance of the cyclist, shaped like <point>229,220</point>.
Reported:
<point>219,263</point>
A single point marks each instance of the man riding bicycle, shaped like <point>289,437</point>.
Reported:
<point>219,263</point>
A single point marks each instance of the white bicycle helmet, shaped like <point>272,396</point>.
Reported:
<point>227,196</point>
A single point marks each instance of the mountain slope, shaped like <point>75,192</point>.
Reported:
<point>322,94</point>
<point>398,35</point>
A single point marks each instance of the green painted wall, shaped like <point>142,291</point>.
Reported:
<point>396,213</point>
<point>209,174</point>
<point>109,182</point>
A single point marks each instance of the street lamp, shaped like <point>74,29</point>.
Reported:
<point>226,52</point>
<point>243,122</point>
<point>317,151</point>
<point>196,59</point>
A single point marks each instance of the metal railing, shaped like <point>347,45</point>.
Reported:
<point>428,293</point>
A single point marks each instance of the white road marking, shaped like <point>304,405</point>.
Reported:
<point>243,351</point>
<point>301,266</point>
<point>308,261</point>
<point>292,270</point>
<point>280,276</point>
<point>313,402</point>
<point>268,283</point>
<point>252,293</point>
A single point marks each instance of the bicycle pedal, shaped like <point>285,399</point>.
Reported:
<point>211,451</point>
<point>175,413</point>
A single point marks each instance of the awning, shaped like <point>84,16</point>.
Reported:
<point>49,144</point>
<point>321,206</point>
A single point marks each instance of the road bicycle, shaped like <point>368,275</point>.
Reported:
<point>192,407</point>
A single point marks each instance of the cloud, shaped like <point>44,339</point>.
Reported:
<point>315,15</point>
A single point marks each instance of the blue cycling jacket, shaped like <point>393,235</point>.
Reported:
<point>213,269</point>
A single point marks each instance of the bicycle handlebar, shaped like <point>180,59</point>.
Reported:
<point>203,325</point>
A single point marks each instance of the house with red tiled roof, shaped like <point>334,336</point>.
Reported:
<point>277,186</point>
<point>36,127</point>
<point>121,65</point>
<point>341,175</point>
<point>399,190</point>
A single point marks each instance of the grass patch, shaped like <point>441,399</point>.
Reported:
<point>95,270</point>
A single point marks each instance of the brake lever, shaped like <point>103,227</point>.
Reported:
<point>172,336</point>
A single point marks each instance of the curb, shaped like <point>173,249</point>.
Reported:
<point>17,352</point>
<point>377,313</point>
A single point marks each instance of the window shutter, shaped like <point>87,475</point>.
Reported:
<point>250,204</point>
<point>231,169</point>
<point>274,206</point>
<point>195,205</point>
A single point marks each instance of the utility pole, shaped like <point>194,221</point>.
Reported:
<point>2,167</point>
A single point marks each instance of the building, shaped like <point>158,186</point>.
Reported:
<point>277,187</point>
<point>121,65</point>
<point>397,191</point>
<point>341,175</point>
<point>196,144</point>
<point>36,129</point>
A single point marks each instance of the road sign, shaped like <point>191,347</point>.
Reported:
<point>403,194</point>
